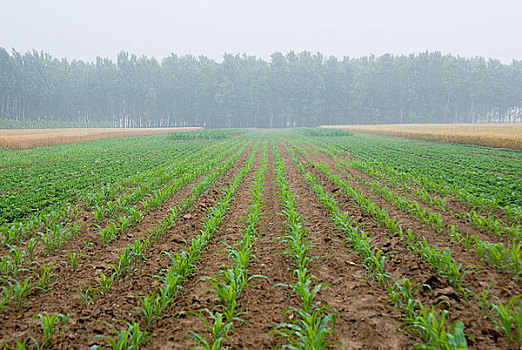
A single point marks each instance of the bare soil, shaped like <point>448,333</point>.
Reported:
<point>403,263</point>
<point>366,319</point>
<point>120,303</point>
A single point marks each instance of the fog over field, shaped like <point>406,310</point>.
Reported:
<point>261,174</point>
<point>258,64</point>
<point>86,29</point>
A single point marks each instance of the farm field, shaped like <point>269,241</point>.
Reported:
<point>489,135</point>
<point>258,239</point>
<point>31,138</point>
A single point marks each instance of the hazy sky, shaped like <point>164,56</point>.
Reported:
<point>84,29</point>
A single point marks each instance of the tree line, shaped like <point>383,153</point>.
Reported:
<point>292,89</point>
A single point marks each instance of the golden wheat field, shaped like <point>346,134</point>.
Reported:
<point>31,138</point>
<point>490,135</point>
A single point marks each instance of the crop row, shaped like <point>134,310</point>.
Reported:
<point>219,134</point>
<point>14,158</point>
<point>460,175</point>
<point>505,317</point>
<point>132,336</point>
<point>426,239</point>
<point>471,187</point>
<point>45,187</point>
<point>154,304</point>
<point>132,215</point>
<point>314,322</point>
<point>144,183</point>
<point>428,322</point>
<point>56,219</point>
<point>496,254</point>
<point>232,279</point>
<point>18,289</point>
<point>54,233</point>
<point>426,190</point>
<point>135,250</point>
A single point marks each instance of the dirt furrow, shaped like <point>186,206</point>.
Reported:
<point>265,303</point>
<point>403,263</point>
<point>366,319</point>
<point>451,203</point>
<point>88,227</point>
<point>465,227</point>
<point>177,320</point>
<point>93,256</point>
<point>503,286</point>
<point>121,300</point>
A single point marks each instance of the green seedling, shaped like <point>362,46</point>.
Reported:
<point>89,296</point>
<point>51,324</point>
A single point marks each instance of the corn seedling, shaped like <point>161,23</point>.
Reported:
<point>108,233</point>
<point>73,259</point>
<point>314,326</point>
<point>5,298</point>
<point>131,338</point>
<point>31,249</point>
<point>89,296</point>
<point>106,282</point>
<point>51,324</point>
<point>218,327</point>
<point>435,334</point>
<point>150,307</point>
<point>99,211</point>
<point>508,318</point>
<point>20,292</point>
<point>17,258</point>
<point>124,262</point>
<point>44,277</point>
<point>402,294</point>
<point>23,344</point>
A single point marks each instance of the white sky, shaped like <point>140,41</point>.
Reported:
<point>84,29</point>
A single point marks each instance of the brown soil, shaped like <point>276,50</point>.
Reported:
<point>263,301</point>
<point>366,318</point>
<point>171,330</point>
<point>362,305</point>
<point>452,205</point>
<point>120,303</point>
<point>403,263</point>
<point>89,233</point>
<point>464,226</point>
